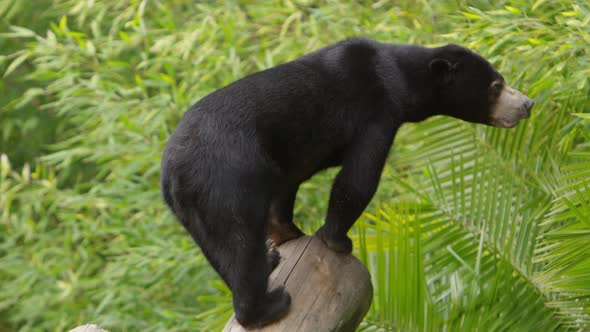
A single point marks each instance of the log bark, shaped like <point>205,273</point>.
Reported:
<point>329,291</point>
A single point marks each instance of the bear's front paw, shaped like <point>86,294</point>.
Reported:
<point>337,243</point>
<point>280,233</point>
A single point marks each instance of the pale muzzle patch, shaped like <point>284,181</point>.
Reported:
<point>510,107</point>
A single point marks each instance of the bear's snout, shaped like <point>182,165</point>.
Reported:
<point>511,106</point>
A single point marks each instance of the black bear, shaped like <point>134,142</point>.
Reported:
<point>232,167</point>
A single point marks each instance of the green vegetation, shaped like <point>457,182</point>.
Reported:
<point>473,228</point>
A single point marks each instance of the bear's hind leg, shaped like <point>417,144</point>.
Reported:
<point>228,219</point>
<point>247,270</point>
<point>254,304</point>
<point>243,259</point>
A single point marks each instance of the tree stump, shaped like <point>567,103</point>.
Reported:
<point>329,291</point>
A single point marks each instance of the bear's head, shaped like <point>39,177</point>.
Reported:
<point>469,88</point>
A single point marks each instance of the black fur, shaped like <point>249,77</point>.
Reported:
<point>232,167</point>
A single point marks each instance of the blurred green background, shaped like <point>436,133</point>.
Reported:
<point>472,229</point>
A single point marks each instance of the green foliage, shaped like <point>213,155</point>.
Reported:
<point>473,228</point>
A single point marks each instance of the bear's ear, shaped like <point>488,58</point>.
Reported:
<point>443,71</point>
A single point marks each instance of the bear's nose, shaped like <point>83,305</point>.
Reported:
<point>527,106</point>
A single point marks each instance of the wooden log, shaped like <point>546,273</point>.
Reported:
<point>329,291</point>
<point>88,328</point>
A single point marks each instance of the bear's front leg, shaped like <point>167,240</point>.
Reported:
<point>355,185</point>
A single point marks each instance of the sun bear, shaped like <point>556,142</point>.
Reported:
<point>232,166</point>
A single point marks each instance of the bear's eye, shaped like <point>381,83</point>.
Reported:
<point>497,88</point>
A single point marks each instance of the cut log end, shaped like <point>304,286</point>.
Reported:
<point>329,291</point>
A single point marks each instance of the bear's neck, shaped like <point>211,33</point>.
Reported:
<point>413,79</point>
